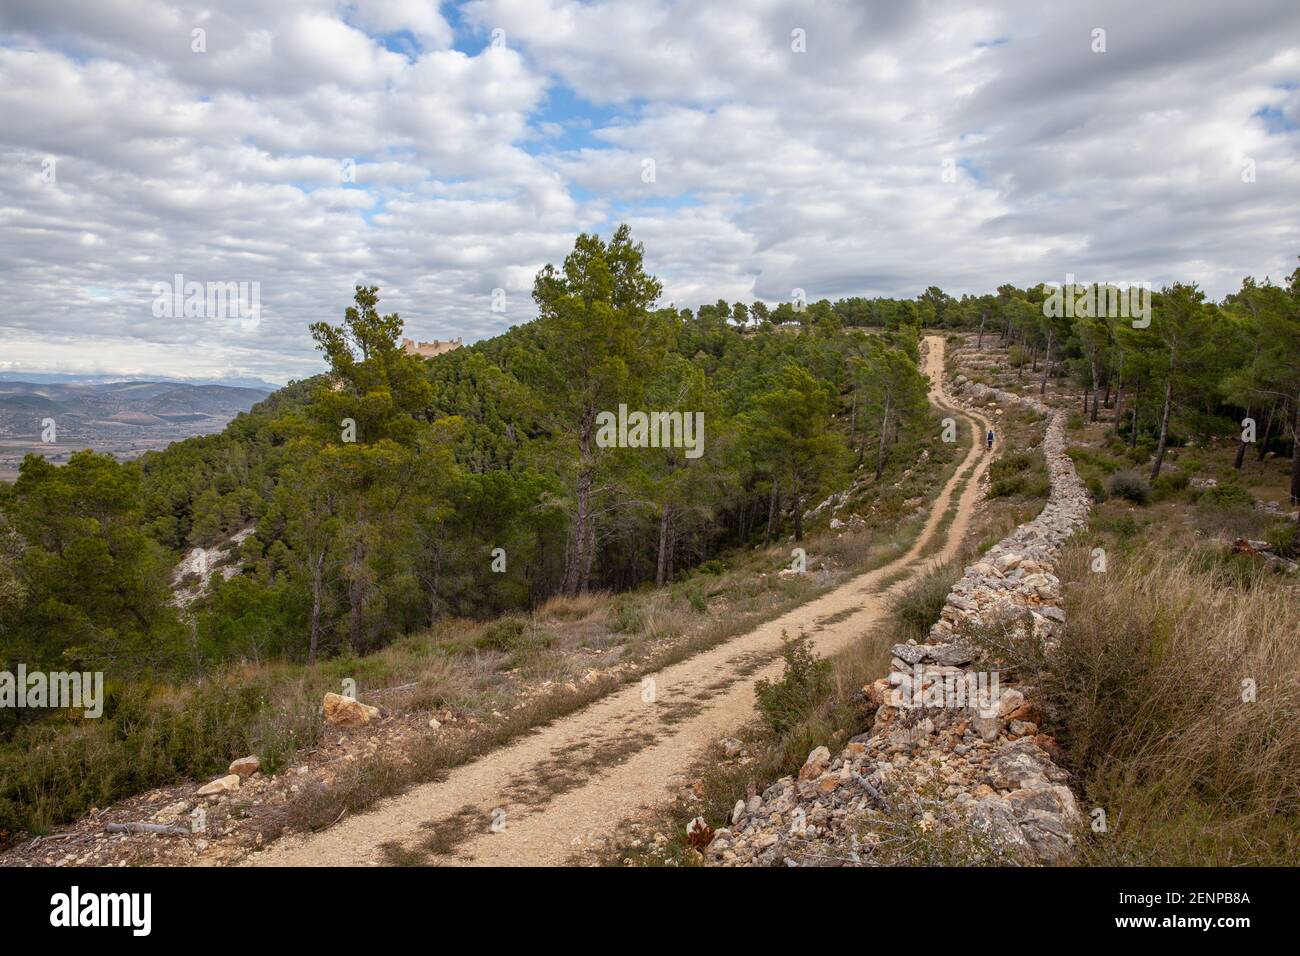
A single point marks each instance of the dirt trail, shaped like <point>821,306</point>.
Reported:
<point>570,784</point>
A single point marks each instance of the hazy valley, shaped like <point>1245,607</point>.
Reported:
<point>124,419</point>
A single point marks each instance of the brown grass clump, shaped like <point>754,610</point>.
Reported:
<point>1177,701</point>
<point>562,608</point>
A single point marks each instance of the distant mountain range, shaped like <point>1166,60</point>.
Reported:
<point>142,404</point>
<point>124,419</point>
<point>105,378</point>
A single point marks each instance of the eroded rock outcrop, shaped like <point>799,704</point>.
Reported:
<point>343,711</point>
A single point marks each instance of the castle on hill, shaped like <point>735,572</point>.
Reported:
<point>429,349</point>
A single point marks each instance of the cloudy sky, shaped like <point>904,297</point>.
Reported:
<point>444,151</point>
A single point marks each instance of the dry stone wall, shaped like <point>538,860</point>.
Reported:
<point>955,755</point>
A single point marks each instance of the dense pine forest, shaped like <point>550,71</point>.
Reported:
<point>395,491</point>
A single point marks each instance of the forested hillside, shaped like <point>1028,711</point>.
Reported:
<point>378,494</point>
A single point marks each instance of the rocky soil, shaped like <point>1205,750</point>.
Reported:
<point>221,820</point>
<point>954,768</point>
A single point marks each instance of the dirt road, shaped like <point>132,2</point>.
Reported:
<point>568,785</point>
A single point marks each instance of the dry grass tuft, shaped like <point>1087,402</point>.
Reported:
<point>1149,695</point>
<point>561,608</point>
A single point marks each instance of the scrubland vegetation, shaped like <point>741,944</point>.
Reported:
<point>1175,700</point>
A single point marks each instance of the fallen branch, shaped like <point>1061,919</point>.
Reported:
<point>876,796</point>
<point>147,828</point>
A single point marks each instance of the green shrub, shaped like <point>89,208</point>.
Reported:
<point>917,609</point>
<point>1022,473</point>
<point>1170,483</point>
<point>1227,496</point>
<point>806,680</point>
<point>1037,485</point>
<point>711,566</point>
<point>1130,486</point>
<point>1006,487</point>
<point>1284,538</point>
<point>1123,525</point>
<point>1010,466</point>
<point>1141,454</point>
<point>1095,459</point>
<point>502,635</point>
<point>628,619</point>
